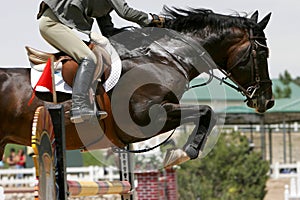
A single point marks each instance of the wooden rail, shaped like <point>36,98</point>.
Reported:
<point>92,188</point>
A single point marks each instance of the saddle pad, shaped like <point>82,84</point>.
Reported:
<point>62,86</point>
<point>116,67</point>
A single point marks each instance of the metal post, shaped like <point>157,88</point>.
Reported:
<point>251,133</point>
<point>284,140</point>
<point>270,145</point>
<point>290,143</point>
<point>263,137</point>
<point>57,117</point>
<point>126,170</point>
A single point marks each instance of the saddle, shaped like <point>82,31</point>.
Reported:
<point>68,65</point>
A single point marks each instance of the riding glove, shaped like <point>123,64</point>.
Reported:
<point>157,21</point>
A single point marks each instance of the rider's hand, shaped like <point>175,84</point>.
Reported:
<point>157,21</point>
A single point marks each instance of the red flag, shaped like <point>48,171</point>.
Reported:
<point>45,80</point>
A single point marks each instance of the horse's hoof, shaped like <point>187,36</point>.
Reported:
<point>175,157</point>
<point>191,152</point>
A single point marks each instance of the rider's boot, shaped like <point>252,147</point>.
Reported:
<point>81,107</point>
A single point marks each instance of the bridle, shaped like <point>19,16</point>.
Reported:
<point>251,89</point>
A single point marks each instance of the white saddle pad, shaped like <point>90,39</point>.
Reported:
<point>62,86</point>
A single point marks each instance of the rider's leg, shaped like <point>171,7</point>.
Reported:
<point>81,109</point>
<point>64,39</point>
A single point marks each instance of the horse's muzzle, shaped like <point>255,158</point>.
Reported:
<point>261,104</point>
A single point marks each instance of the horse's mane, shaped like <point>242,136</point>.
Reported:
<point>180,20</point>
<point>195,19</point>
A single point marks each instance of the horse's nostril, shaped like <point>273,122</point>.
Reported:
<point>270,104</point>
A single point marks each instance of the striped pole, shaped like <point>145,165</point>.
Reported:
<point>92,188</point>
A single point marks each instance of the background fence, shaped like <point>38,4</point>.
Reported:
<point>27,178</point>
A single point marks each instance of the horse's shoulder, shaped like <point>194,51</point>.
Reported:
<point>125,47</point>
<point>136,42</point>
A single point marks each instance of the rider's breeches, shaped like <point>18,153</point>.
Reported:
<point>63,38</point>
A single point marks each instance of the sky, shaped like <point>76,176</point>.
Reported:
<point>19,27</point>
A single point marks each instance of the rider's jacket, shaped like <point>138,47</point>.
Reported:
<point>79,14</point>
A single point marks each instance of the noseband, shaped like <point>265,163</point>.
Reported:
<point>248,91</point>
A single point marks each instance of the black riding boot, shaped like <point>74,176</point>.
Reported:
<point>81,107</point>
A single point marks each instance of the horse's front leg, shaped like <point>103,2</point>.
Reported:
<point>201,115</point>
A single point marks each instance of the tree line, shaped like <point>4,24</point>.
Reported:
<point>285,91</point>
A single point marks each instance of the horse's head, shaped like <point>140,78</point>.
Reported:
<point>247,66</point>
<point>236,44</point>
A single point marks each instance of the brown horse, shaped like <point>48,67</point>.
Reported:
<point>155,74</point>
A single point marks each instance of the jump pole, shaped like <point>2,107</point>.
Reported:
<point>93,188</point>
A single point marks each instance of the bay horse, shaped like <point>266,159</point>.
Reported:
<point>236,44</point>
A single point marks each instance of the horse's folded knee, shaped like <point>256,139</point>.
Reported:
<point>206,117</point>
<point>213,118</point>
<point>209,113</point>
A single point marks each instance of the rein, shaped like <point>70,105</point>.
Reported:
<point>120,150</point>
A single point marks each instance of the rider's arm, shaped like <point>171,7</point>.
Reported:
<point>106,26</point>
<point>130,14</point>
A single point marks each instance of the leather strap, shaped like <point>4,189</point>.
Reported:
<point>108,123</point>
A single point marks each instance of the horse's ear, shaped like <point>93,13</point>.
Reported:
<point>254,16</point>
<point>263,23</point>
